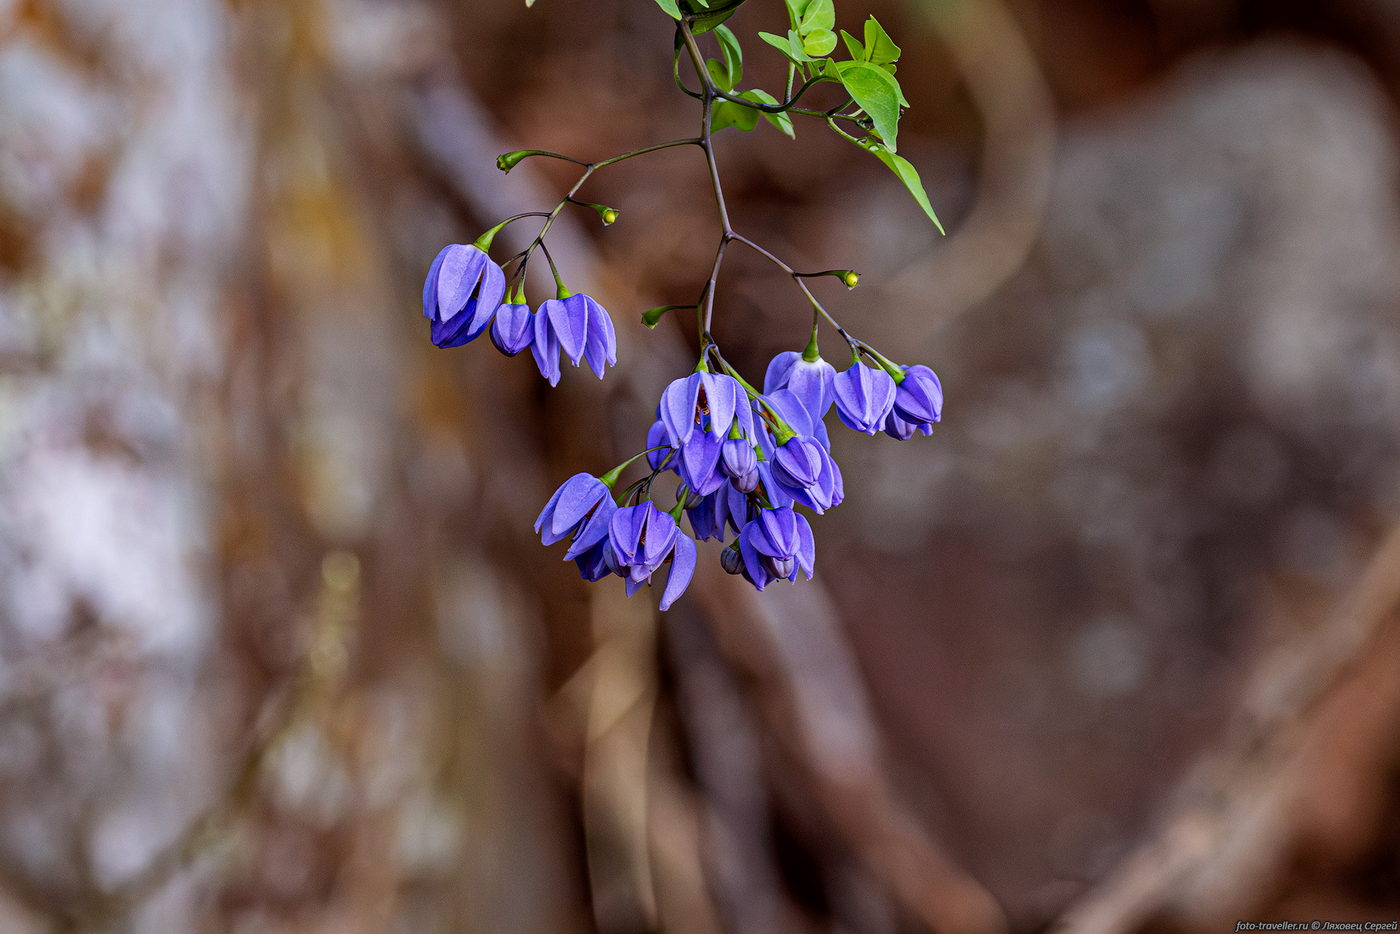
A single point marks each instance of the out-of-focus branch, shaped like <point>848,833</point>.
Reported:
<point>993,241</point>
<point>1239,795</point>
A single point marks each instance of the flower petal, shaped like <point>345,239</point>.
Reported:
<point>682,569</point>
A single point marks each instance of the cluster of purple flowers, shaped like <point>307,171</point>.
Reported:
<point>465,294</point>
<point>743,460</point>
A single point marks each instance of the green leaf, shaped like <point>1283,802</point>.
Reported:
<point>877,93</point>
<point>719,74</point>
<point>727,113</point>
<point>782,121</point>
<point>879,47</point>
<point>820,14</point>
<point>909,175</point>
<point>796,8</point>
<point>669,6</point>
<point>789,45</point>
<point>819,42</point>
<point>713,12</point>
<point>733,54</point>
<point>853,46</point>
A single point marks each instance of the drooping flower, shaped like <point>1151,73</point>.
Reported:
<point>739,462</point>
<point>811,381</point>
<point>513,328</point>
<point>919,397</point>
<point>580,328</point>
<point>712,402</point>
<point>897,427</point>
<point>775,545</point>
<point>807,473</point>
<point>642,539</point>
<point>463,289</point>
<point>724,507</point>
<point>582,508</point>
<point>864,397</point>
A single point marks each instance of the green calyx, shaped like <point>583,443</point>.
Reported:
<point>682,494</point>
<point>811,354</point>
<point>509,160</point>
<point>652,316</point>
<point>483,242</point>
<point>889,366</point>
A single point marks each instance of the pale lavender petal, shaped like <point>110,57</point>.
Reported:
<point>682,569</point>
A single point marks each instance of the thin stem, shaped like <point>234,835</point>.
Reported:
<point>797,278</point>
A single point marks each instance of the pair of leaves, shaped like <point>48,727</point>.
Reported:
<point>728,113</point>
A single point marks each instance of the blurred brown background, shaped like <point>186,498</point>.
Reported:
<point>1117,649</point>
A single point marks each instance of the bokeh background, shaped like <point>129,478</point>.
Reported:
<point>1116,649</point>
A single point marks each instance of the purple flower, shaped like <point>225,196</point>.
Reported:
<point>462,291</point>
<point>583,508</point>
<point>810,381</point>
<point>740,463</point>
<point>864,397</point>
<point>642,538</point>
<point>513,329</point>
<point>698,465</point>
<point>597,562</point>
<point>897,427</point>
<point>775,545</point>
<point>580,328</point>
<point>713,402</point>
<point>797,462</point>
<point>724,507</point>
<point>545,348</point>
<point>804,471</point>
<point>919,398</point>
<point>657,438</point>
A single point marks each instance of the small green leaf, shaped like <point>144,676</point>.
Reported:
<point>909,175</point>
<point>820,14</point>
<point>727,113</point>
<point>719,74</point>
<point>819,42</point>
<point>790,46</point>
<point>712,13</point>
<point>877,93</point>
<point>669,6</point>
<point>780,120</point>
<point>733,54</point>
<point>796,8</point>
<point>853,45</point>
<point>879,47</point>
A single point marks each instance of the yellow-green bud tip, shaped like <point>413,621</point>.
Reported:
<point>609,216</point>
<point>852,279</point>
<point>509,160</point>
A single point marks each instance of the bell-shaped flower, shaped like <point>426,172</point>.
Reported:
<point>775,545</point>
<point>579,327</point>
<point>699,463</point>
<point>864,397</point>
<point>807,474</point>
<point>660,453</point>
<point>919,397</point>
<point>598,561</point>
<point>545,348</point>
<point>462,291</point>
<point>513,329</point>
<point>724,507</point>
<point>643,538</point>
<point>712,402</point>
<point>811,381</point>
<point>582,508</point>
<point>739,463</point>
<point>897,427</point>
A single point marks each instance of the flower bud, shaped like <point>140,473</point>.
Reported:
<point>731,561</point>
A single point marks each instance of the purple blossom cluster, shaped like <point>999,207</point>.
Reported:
<point>744,461</point>
<point>465,294</point>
